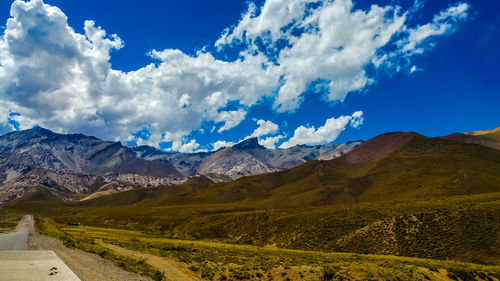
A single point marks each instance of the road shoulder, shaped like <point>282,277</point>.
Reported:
<point>87,266</point>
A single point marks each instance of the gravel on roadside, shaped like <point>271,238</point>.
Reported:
<point>87,266</point>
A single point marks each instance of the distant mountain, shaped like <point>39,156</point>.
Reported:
<point>186,163</point>
<point>392,166</point>
<point>39,148</point>
<point>75,163</point>
<point>70,163</point>
<point>243,159</point>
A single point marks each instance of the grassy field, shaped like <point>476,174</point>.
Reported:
<point>437,238</point>
<point>223,261</point>
<point>462,228</point>
<point>83,242</point>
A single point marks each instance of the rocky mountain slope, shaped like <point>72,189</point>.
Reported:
<point>38,148</point>
<point>72,164</point>
<point>243,159</point>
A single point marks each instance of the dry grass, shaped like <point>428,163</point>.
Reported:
<point>223,261</point>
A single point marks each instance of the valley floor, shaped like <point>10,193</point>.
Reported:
<point>444,238</point>
<point>195,260</point>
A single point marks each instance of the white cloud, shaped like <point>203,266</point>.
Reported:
<point>221,144</point>
<point>442,24</point>
<point>265,128</point>
<point>273,16</point>
<point>188,147</point>
<point>357,119</point>
<point>60,79</point>
<point>332,41</point>
<point>270,142</point>
<point>184,100</point>
<point>230,119</point>
<point>324,134</point>
<point>63,80</point>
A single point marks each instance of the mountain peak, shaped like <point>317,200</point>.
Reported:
<point>250,143</point>
<point>42,131</point>
<point>34,132</point>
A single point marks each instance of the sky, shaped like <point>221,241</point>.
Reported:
<point>200,75</point>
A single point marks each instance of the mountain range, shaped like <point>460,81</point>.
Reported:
<point>392,166</point>
<point>79,164</point>
<point>243,159</point>
<point>400,193</point>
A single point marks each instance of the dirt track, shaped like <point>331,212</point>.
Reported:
<point>172,269</point>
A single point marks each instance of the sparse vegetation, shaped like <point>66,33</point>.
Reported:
<point>458,228</point>
<point>222,261</point>
<point>85,243</point>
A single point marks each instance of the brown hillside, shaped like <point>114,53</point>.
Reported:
<point>378,147</point>
<point>476,139</point>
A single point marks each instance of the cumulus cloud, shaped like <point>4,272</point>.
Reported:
<point>324,134</point>
<point>270,142</point>
<point>357,119</point>
<point>187,147</point>
<point>60,79</point>
<point>230,119</point>
<point>265,128</point>
<point>221,144</point>
<point>49,73</point>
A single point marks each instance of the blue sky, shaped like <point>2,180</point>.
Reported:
<point>175,79</point>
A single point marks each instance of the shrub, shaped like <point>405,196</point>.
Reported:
<point>159,276</point>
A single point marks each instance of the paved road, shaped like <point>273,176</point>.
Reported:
<point>33,266</point>
<point>17,240</point>
<point>18,264</point>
